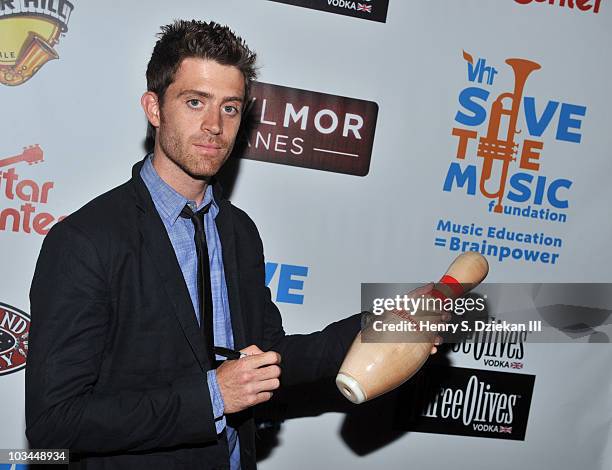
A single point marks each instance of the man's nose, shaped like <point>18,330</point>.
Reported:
<point>211,122</point>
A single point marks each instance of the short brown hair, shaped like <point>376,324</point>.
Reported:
<point>185,39</point>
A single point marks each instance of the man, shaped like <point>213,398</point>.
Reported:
<point>125,312</point>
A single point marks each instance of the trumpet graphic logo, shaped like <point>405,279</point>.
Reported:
<point>494,147</point>
<point>29,30</point>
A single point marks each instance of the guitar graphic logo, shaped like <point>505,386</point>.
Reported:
<point>31,154</point>
<point>23,201</point>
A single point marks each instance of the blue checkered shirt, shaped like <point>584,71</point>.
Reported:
<point>169,205</point>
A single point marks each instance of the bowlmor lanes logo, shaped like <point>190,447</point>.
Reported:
<point>14,330</point>
<point>27,194</point>
<point>373,10</point>
<point>310,129</point>
<point>466,402</point>
<point>29,30</point>
<point>499,157</point>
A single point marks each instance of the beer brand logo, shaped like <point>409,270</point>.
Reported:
<point>28,192</point>
<point>467,402</point>
<point>375,10</point>
<point>29,30</point>
<point>14,330</point>
<point>310,129</point>
<point>498,158</point>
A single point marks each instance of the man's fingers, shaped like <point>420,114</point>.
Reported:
<point>262,397</point>
<point>258,358</point>
<point>433,316</point>
<point>419,291</point>
<point>249,380</point>
<point>268,372</point>
<point>266,385</point>
<point>251,350</point>
<point>264,359</point>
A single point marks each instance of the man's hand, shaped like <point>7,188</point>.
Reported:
<point>424,291</point>
<point>249,380</point>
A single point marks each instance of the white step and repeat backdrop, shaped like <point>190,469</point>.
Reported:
<point>376,155</point>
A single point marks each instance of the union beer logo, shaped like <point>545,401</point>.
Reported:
<point>29,30</point>
<point>14,330</point>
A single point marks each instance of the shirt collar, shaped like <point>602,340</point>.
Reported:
<point>169,202</point>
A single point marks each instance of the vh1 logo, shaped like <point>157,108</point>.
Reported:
<point>310,129</point>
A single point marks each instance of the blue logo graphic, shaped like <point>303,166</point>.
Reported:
<point>290,282</point>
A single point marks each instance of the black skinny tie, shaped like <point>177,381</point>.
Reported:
<point>204,293</point>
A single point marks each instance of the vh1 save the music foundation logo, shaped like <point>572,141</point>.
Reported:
<point>498,161</point>
<point>14,330</point>
<point>29,30</point>
<point>21,199</point>
<point>373,10</point>
<point>466,402</point>
<point>310,129</point>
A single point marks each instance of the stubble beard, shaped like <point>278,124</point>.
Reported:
<point>196,166</point>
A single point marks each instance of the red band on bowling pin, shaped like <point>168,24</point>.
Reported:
<point>453,284</point>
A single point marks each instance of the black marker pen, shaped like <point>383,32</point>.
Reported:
<point>228,353</point>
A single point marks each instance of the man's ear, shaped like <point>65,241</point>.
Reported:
<point>150,105</point>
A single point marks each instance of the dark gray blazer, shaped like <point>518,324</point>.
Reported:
<point>116,368</point>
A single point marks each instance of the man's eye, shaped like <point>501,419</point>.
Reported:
<point>230,109</point>
<point>194,103</point>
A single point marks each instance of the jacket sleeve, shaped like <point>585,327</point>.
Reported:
<point>305,358</point>
<point>309,357</point>
<point>71,310</point>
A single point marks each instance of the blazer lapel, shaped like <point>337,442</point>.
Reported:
<point>225,227</point>
<point>160,249</point>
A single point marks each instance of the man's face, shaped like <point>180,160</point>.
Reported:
<point>200,116</point>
